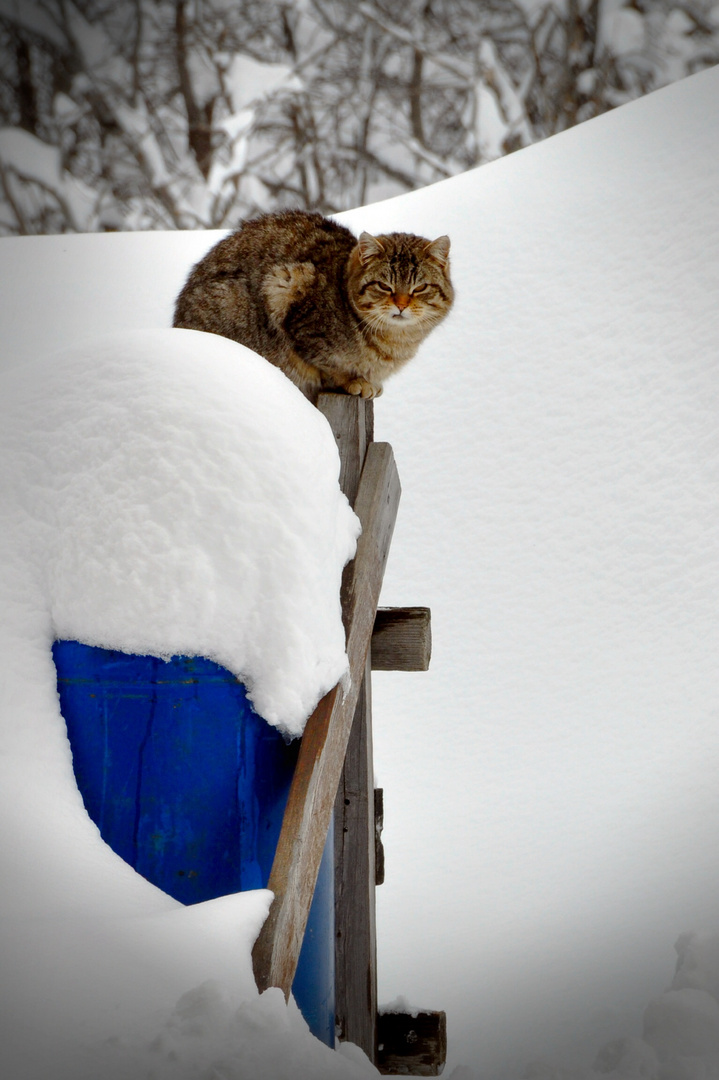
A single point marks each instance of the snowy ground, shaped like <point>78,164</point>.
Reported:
<point>550,791</point>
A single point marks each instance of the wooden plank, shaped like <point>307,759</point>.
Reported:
<point>412,1045</point>
<point>324,743</point>
<point>352,423</point>
<point>402,639</point>
<point>355,936</point>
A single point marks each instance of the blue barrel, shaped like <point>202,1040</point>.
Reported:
<point>189,785</point>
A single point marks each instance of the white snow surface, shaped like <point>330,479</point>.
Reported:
<point>165,492</point>
<point>170,493</point>
<point>550,783</point>
<point>31,157</point>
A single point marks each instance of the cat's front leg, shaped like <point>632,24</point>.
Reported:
<point>283,286</point>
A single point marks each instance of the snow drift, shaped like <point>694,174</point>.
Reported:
<point>174,496</point>
<point>163,492</point>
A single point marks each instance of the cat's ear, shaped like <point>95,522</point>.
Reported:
<point>369,246</point>
<point>438,250</point>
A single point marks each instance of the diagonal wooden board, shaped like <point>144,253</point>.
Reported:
<point>312,793</point>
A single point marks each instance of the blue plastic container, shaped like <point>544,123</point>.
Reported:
<point>188,785</point>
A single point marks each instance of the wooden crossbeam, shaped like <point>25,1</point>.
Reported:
<point>322,751</point>
<point>402,639</point>
<point>412,1044</point>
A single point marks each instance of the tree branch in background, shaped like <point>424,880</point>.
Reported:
<point>180,115</point>
<point>199,133</point>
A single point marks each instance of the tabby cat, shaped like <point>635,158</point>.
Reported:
<point>331,311</point>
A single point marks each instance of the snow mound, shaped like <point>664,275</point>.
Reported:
<point>161,491</point>
<point>680,1039</point>
<point>682,1024</point>
<point>169,492</point>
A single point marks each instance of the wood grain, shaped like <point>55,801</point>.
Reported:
<point>352,423</point>
<point>402,639</point>
<point>355,934</point>
<point>355,938</point>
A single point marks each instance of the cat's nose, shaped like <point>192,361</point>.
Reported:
<point>401,300</point>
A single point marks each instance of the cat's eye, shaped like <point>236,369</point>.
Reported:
<point>420,288</point>
<point>381,285</point>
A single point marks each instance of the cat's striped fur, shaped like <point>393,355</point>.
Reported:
<point>333,312</point>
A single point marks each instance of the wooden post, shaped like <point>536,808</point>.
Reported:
<point>355,878</point>
<point>334,774</point>
<point>320,762</point>
<point>351,421</point>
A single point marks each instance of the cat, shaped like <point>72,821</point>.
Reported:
<point>331,311</point>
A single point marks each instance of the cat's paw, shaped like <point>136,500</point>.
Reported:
<point>360,387</point>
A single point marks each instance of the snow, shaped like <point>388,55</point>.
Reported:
<point>163,492</point>
<point>30,157</point>
<point>248,80</point>
<point>175,496</point>
<point>247,83</point>
<point>680,1030</point>
<point>623,32</point>
<point>557,445</point>
<point>550,792</point>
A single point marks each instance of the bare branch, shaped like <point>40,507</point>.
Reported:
<point>199,132</point>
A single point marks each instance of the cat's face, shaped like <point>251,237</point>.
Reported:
<point>400,283</point>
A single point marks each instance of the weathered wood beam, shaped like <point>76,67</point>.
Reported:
<point>402,639</point>
<point>412,1045</point>
<point>355,934</point>
<point>322,751</point>
<point>352,423</point>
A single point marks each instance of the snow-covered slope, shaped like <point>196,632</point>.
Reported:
<point>559,452</point>
<point>550,790</point>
